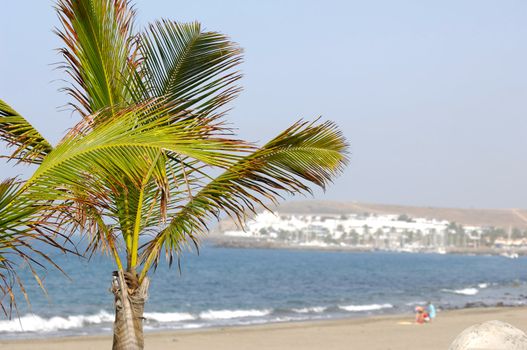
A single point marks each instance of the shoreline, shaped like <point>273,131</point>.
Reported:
<point>376,332</point>
<point>249,243</point>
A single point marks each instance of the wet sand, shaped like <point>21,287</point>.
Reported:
<point>387,332</point>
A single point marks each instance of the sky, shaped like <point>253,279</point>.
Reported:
<point>431,95</point>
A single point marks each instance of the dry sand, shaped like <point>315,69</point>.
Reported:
<point>390,332</point>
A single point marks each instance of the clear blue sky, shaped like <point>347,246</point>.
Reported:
<point>431,94</point>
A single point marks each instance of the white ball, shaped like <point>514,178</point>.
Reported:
<point>495,335</point>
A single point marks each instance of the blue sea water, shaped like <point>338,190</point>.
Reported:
<point>223,287</point>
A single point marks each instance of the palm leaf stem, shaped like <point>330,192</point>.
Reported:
<point>149,260</point>
<point>111,243</point>
<point>139,213</point>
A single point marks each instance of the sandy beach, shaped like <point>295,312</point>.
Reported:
<point>395,332</point>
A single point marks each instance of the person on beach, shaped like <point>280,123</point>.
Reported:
<point>420,315</point>
<point>431,311</point>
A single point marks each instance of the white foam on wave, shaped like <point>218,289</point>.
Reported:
<point>483,285</point>
<point>169,316</point>
<point>464,291</point>
<point>314,309</point>
<point>35,323</point>
<point>228,314</point>
<point>289,318</point>
<point>415,303</point>
<point>369,307</point>
<point>192,326</point>
<point>150,327</point>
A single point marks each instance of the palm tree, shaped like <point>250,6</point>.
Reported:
<point>137,171</point>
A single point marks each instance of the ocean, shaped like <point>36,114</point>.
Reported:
<point>226,287</point>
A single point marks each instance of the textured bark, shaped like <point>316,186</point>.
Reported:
<point>130,301</point>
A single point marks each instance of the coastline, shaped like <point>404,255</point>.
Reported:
<point>395,332</point>
<point>251,243</point>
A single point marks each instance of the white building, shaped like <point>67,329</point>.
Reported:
<point>378,231</point>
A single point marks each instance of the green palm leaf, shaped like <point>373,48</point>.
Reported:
<point>23,224</point>
<point>120,150</point>
<point>305,151</point>
<point>99,52</point>
<point>30,146</point>
<point>184,63</point>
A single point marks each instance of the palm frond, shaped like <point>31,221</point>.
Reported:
<point>99,52</point>
<point>30,146</point>
<point>23,225</point>
<point>121,149</point>
<point>305,152</point>
<point>184,63</point>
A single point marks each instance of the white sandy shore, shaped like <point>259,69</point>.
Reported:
<point>375,333</point>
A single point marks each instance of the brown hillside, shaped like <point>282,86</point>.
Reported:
<point>478,217</point>
<point>500,218</point>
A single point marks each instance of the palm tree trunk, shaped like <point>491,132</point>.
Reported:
<point>130,298</point>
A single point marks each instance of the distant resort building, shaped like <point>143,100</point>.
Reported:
<point>369,231</point>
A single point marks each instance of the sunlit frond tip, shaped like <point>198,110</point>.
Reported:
<point>29,145</point>
<point>306,150</point>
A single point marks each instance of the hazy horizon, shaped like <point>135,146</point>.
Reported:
<point>431,96</point>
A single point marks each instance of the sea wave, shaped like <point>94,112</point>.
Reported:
<point>314,309</point>
<point>368,307</point>
<point>464,291</point>
<point>36,323</point>
<point>415,303</point>
<point>168,316</point>
<point>228,314</point>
